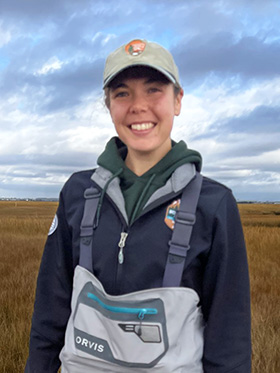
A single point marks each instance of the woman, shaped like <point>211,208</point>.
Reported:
<point>126,314</point>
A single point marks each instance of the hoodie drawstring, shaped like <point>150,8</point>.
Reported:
<point>103,194</point>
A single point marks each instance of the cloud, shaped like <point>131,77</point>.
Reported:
<point>5,36</point>
<point>55,89</point>
<point>222,56</point>
<point>51,65</point>
<point>34,10</point>
<point>53,120</point>
<point>262,120</point>
<point>261,125</point>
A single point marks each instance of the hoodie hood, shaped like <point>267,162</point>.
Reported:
<point>138,189</point>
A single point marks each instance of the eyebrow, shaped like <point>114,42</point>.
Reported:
<point>147,81</point>
<point>119,85</point>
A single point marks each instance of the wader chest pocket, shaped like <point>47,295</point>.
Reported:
<point>124,332</point>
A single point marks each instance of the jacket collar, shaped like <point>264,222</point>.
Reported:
<point>178,180</point>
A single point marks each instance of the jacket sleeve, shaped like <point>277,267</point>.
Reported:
<point>53,297</point>
<point>226,295</point>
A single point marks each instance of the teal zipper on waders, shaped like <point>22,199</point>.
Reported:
<point>140,312</point>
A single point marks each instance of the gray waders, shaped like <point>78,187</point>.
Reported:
<point>154,330</point>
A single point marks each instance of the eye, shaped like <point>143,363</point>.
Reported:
<point>121,94</point>
<point>153,89</point>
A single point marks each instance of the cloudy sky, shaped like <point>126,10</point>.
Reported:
<point>52,118</point>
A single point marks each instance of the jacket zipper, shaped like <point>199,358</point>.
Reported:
<point>121,259</point>
<point>121,245</point>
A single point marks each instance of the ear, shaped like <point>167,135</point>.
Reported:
<point>178,102</point>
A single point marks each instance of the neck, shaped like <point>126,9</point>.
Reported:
<point>139,163</point>
<point>139,167</point>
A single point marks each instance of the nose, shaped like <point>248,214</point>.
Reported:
<point>138,104</point>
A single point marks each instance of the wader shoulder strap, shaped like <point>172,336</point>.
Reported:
<point>180,241</point>
<point>92,196</point>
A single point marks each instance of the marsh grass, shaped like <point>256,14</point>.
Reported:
<point>261,224</point>
<point>23,230</point>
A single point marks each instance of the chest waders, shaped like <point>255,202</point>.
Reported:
<point>154,330</point>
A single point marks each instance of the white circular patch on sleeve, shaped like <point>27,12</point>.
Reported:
<point>53,225</point>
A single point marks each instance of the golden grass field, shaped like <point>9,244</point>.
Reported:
<point>24,226</point>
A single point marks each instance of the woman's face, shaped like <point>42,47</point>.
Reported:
<point>143,111</point>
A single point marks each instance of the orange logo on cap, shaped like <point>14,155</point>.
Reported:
<point>135,47</point>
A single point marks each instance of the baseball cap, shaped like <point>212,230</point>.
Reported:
<point>143,53</point>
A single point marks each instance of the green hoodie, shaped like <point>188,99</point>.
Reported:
<point>138,189</point>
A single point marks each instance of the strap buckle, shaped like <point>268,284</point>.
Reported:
<point>91,193</point>
<point>185,218</point>
<point>177,253</point>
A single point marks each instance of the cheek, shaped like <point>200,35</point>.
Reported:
<point>168,111</point>
<point>117,120</point>
<point>117,113</point>
<point>114,114</point>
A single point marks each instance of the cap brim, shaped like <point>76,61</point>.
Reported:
<point>160,69</point>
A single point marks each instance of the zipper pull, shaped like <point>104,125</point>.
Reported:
<point>121,246</point>
<point>142,314</point>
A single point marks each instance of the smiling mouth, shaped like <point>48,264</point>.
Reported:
<point>142,126</point>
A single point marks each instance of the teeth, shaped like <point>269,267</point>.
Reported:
<point>142,126</point>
